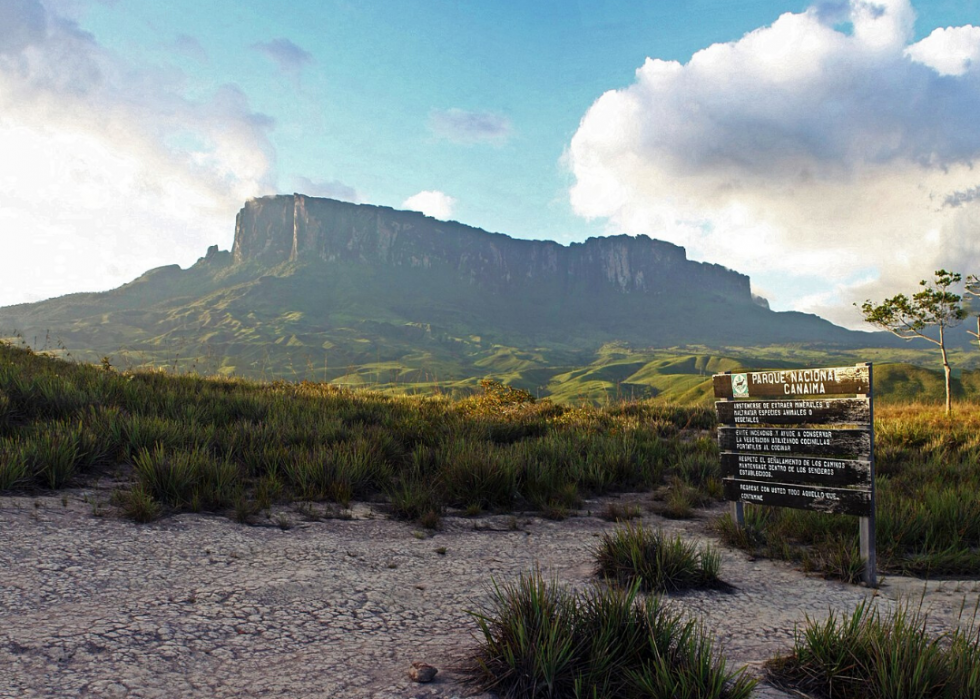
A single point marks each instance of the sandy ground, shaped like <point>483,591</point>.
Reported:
<point>200,606</point>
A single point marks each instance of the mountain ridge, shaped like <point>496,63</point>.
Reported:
<point>294,228</point>
<point>317,288</point>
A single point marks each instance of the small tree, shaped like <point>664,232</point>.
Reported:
<point>973,289</point>
<point>908,318</point>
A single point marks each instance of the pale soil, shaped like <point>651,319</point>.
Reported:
<point>200,606</point>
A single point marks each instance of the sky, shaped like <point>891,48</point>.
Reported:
<point>826,149</point>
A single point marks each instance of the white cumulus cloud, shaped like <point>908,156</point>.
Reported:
<point>431,203</point>
<point>108,168</point>
<point>833,165</point>
<point>950,50</point>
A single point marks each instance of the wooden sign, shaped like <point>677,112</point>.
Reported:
<point>794,412</point>
<point>805,497</point>
<point>786,383</point>
<point>808,466</point>
<point>796,469</point>
<point>815,442</point>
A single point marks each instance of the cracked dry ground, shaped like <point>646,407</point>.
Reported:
<point>200,606</point>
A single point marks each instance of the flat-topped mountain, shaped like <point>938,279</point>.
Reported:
<point>354,292</point>
<point>297,228</point>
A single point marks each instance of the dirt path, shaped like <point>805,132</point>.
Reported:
<point>199,606</point>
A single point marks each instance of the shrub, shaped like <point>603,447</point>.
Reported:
<point>413,496</point>
<point>170,476</point>
<point>52,450</point>
<point>138,504</point>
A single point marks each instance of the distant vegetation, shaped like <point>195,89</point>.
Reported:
<point>935,305</point>
<point>616,372</point>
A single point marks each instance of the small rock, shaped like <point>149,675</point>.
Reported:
<point>422,672</point>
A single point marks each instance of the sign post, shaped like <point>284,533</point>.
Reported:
<point>788,440</point>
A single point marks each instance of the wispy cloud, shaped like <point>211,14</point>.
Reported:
<point>960,198</point>
<point>800,151</point>
<point>462,126</point>
<point>22,23</point>
<point>190,47</point>
<point>284,53</point>
<point>332,190</point>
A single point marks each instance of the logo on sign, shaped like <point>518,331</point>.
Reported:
<point>740,385</point>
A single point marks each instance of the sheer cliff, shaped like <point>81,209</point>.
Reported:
<point>347,292</point>
<point>297,228</point>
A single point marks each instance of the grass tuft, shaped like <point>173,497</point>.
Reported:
<point>632,555</point>
<point>539,639</point>
<point>870,655</point>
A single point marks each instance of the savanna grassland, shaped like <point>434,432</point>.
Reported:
<point>181,442</point>
<point>170,442</point>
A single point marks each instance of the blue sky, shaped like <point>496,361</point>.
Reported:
<point>825,149</point>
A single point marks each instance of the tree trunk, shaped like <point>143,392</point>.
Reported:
<point>948,372</point>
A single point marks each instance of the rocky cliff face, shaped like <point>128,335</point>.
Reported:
<point>271,230</point>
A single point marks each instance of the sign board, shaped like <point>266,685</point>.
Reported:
<point>779,440</point>
<point>801,497</point>
<point>787,383</point>
<point>794,412</point>
<point>796,469</point>
<point>787,442</point>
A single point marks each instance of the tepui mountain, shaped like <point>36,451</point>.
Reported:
<point>323,288</point>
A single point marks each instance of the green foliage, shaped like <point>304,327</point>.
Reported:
<point>139,504</point>
<point>15,468</point>
<point>870,655</point>
<point>934,306</point>
<point>540,640</point>
<point>632,555</point>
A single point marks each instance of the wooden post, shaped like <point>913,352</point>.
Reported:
<point>738,509</point>
<point>869,549</point>
<point>738,513</point>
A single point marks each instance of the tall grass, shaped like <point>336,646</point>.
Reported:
<point>234,446</point>
<point>870,655</point>
<point>632,555</point>
<point>539,639</point>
